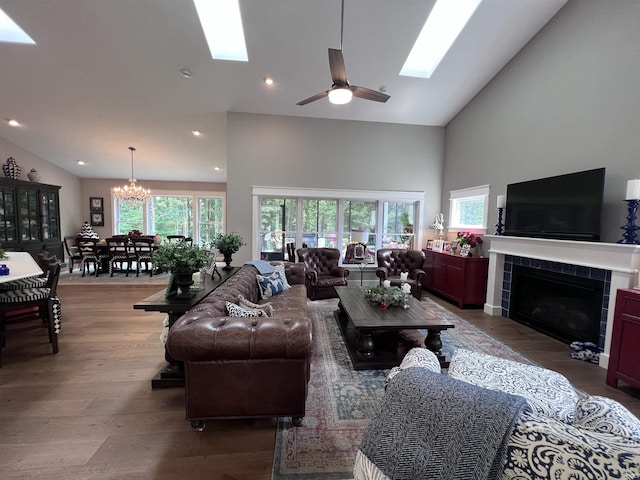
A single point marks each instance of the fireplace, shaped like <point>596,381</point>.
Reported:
<point>565,307</point>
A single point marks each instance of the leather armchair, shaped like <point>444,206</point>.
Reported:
<point>321,271</point>
<point>393,261</point>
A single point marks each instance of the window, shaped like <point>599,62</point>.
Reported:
<point>322,218</point>
<point>172,214</point>
<point>468,208</point>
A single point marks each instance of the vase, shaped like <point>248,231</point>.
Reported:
<point>11,169</point>
<point>33,175</point>
<point>227,261</point>
<point>184,282</point>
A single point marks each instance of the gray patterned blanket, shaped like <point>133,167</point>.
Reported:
<point>431,426</point>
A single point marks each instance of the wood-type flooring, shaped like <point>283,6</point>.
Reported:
<point>89,412</point>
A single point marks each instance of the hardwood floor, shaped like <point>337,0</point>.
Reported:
<point>89,412</point>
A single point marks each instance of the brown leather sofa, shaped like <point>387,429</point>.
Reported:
<point>321,271</point>
<point>244,367</point>
<point>393,261</point>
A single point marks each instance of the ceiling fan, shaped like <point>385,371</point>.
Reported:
<point>341,92</point>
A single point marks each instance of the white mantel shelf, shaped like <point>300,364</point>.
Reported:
<point>622,260</point>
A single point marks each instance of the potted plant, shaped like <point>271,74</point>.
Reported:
<point>182,260</point>
<point>228,244</point>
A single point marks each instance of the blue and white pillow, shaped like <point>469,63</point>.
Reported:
<point>607,416</point>
<point>237,311</point>
<point>273,284</point>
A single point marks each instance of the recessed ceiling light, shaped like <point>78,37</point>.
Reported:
<point>196,133</point>
<point>445,22</point>
<point>186,73</point>
<point>10,32</point>
<point>217,169</point>
<point>222,26</point>
<point>268,80</point>
<point>80,162</point>
<point>13,123</point>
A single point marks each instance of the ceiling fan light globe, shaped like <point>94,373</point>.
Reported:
<point>340,96</point>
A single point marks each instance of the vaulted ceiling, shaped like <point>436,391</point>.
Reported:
<point>105,75</point>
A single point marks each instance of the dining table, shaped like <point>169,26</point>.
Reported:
<point>20,265</point>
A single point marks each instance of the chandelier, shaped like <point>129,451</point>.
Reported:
<point>131,192</point>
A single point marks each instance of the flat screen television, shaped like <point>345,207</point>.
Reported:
<point>564,207</point>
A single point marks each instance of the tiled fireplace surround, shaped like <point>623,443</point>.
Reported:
<point>613,261</point>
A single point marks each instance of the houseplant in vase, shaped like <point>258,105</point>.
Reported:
<point>182,260</point>
<point>227,244</point>
<point>468,238</point>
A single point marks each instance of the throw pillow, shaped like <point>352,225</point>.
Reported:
<point>547,392</point>
<point>607,416</point>
<point>234,310</point>
<point>273,284</point>
<point>266,307</point>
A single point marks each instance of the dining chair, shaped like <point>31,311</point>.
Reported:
<point>91,254</point>
<point>120,253</point>
<point>73,256</point>
<point>175,238</point>
<point>25,309</point>
<point>143,249</point>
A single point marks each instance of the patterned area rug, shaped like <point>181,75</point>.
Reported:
<point>341,400</point>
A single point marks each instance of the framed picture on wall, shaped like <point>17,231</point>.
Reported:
<point>97,219</point>
<point>96,204</point>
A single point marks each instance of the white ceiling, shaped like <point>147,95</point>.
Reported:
<point>105,75</point>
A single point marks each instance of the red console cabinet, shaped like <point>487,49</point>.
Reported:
<point>624,357</point>
<point>461,279</point>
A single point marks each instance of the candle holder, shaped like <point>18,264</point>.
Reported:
<point>629,236</point>
<point>499,225</point>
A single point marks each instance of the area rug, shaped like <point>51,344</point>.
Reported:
<point>76,278</point>
<point>341,400</point>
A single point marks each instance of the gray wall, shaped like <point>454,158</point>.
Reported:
<point>569,101</point>
<point>265,150</point>
<point>51,174</point>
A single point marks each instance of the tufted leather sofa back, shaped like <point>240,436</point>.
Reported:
<point>398,260</point>
<point>322,260</point>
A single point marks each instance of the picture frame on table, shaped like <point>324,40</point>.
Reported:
<point>429,244</point>
<point>446,247</point>
<point>438,245</point>
<point>97,219</point>
<point>96,204</point>
<point>465,250</point>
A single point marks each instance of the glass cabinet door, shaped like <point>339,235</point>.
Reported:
<point>7,216</point>
<point>28,208</point>
<point>49,215</point>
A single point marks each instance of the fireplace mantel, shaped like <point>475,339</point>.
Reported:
<point>622,260</point>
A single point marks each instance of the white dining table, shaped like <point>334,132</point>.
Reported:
<point>20,265</point>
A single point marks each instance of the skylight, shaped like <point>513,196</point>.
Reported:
<point>222,26</point>
<point>444,24</point>
<point>11,32</point>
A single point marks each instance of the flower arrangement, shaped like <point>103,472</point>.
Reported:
<point>228,243</point>
<point>180,257</point>
<point>389,296</point>
<point>134,233</point>
<point>465,238</point>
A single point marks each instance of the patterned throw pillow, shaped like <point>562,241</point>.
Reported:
<point>547,392</point>
<point>266,307</point>
<point>607,416</point>
<point>273,284</point>
<point>237,311</point>
<point>417,357</point>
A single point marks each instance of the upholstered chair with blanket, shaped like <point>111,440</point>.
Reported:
<point>396,263</point>
<point>321,271</point>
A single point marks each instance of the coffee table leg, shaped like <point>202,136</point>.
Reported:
<point>364,344</point>
<point>433,342</point>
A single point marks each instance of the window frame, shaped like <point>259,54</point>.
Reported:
<point>456,196</point>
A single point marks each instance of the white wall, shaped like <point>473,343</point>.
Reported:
<point>569,101</point>
<point>266,150</point>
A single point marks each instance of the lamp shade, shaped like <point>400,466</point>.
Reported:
<point>633,190</point>
<point>360,236</point>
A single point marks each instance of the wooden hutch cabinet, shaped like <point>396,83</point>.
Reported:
<point>30,217</point>
<point>624,358</point>
<point>461,279</point>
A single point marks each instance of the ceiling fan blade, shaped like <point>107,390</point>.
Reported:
<point>317,96</point>
<point>336,65</point>
<point>368,94</point>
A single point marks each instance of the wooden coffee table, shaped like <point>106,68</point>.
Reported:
<point>374,336</point>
